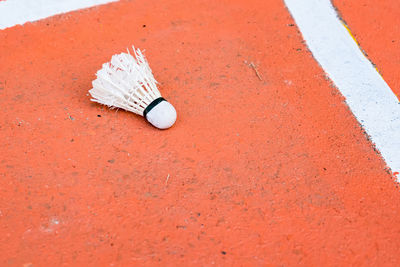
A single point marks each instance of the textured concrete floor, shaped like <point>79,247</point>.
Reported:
<point>268,170</point>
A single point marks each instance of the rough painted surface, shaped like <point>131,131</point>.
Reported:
<point>375,25</point>
<point>255,172</point>
<point>369,97</point>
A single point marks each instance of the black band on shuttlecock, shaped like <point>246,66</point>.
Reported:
<point>152,105</point>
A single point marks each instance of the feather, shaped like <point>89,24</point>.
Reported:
<point>125,82</point>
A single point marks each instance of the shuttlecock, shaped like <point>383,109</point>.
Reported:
<point>127,82</point>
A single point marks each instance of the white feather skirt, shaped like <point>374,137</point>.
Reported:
<point>126,82</point>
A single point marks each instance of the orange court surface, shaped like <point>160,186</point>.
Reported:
<point>265,166</point>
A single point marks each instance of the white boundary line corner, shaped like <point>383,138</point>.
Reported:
<point>15,12</point>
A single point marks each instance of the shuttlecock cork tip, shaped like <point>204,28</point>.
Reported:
<point>160,113</point>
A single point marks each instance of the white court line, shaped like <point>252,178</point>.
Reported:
<point>14,12</point>
<point>369,97</point>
